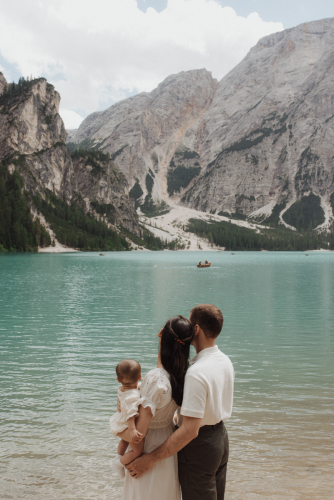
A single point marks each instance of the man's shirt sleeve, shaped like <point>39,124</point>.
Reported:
<point>194,396</point>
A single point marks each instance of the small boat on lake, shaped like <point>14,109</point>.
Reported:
<point>102,254</point>
<point>204,265</point>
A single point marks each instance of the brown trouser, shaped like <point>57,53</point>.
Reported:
<point>203,464</point>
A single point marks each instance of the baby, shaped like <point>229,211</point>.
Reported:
<point>129,375</point>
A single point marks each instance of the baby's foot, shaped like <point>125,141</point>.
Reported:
<point>119,467</point>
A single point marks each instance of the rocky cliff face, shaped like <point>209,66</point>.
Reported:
<point>144,131</point>
<point>32,137</point>
<point>3,82</point>
<point>32,140</point>
<point>262,137</point>
<point>269,130</point>
<point>105,190</point>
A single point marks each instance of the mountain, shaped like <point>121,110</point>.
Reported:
<point>33,149</point>
<point>270,127</point>
<point>141,133</point>
<point>33,137</point>
<point>259,143</point>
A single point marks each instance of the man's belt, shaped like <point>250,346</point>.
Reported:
<point>210,427</point>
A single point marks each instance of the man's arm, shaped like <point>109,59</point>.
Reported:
<point>178,440</point>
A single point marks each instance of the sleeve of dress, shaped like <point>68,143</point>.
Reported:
<point>154,391</point>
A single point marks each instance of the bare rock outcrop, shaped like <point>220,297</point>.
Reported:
<point>143,132</point>
<point>105,190</point>
<point>3,82</point>
<point>269,131</point>
<point>33,137</point>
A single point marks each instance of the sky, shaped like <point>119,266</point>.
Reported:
<point>97,52</point>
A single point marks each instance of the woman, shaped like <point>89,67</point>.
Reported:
<point>162,392</point>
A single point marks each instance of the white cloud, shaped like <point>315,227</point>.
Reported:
<point>98,51</point>
<point>70,118</point>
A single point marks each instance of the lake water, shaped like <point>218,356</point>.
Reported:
<point>66,320</point>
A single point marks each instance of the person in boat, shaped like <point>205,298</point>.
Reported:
<point>206,262</point>
<point>200,263</point>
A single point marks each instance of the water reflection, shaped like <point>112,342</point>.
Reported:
<point>66,321</point>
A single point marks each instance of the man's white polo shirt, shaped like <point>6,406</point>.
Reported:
<point>208,388</point>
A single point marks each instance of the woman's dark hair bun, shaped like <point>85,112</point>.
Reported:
<point>177,335</point>
<point>180,329</point>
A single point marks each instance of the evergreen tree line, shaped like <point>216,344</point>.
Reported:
<point>180,177</point>
<point>92,154</point>
<point>306,213</point>
<point>151,242</point>
<point>13,90</point>
<point>92,157</point>
<point>18,231</point>
<point>233,237</point>
<point>75,228</point>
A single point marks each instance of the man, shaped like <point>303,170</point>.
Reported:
<point>201,439</point>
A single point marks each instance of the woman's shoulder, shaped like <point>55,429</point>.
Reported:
<point>157,378</point>
<point>156,387</point>
<point>155,371</point>
<point>156,374</point>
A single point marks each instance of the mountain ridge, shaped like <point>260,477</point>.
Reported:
<point>263,134</point>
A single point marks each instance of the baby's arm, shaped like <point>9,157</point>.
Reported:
<point>137,443</point>
<point>136,436</point>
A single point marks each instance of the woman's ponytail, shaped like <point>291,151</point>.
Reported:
<point>176,338</point>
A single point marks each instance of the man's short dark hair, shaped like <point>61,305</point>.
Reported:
<point>209,318</point>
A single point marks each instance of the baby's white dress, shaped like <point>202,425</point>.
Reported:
<point>129,401</point>
<point>161,482</point>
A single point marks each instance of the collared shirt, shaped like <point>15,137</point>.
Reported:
<point>208,388</point>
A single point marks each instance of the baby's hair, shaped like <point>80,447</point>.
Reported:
<point>128,371</point>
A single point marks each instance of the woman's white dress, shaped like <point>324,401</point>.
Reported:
<point>161,481</point>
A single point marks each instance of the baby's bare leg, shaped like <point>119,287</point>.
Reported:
<point>122,447</point>
<point>137,450</point>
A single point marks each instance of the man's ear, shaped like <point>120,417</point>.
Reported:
<point>139,378</point>
<point>196,329</point>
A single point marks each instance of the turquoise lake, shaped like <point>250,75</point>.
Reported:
<point>66,320</point>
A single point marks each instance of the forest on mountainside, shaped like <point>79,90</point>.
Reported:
<point>18,231</point>
<point>151,242</point>
<point>75,227</point>
<point>72,225</point>
<point>14,90</point>
<point>306,213</point>
<point>233,237</point>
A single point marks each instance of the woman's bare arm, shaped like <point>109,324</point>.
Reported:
<point>142,422</point>
<point>178,440</point>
